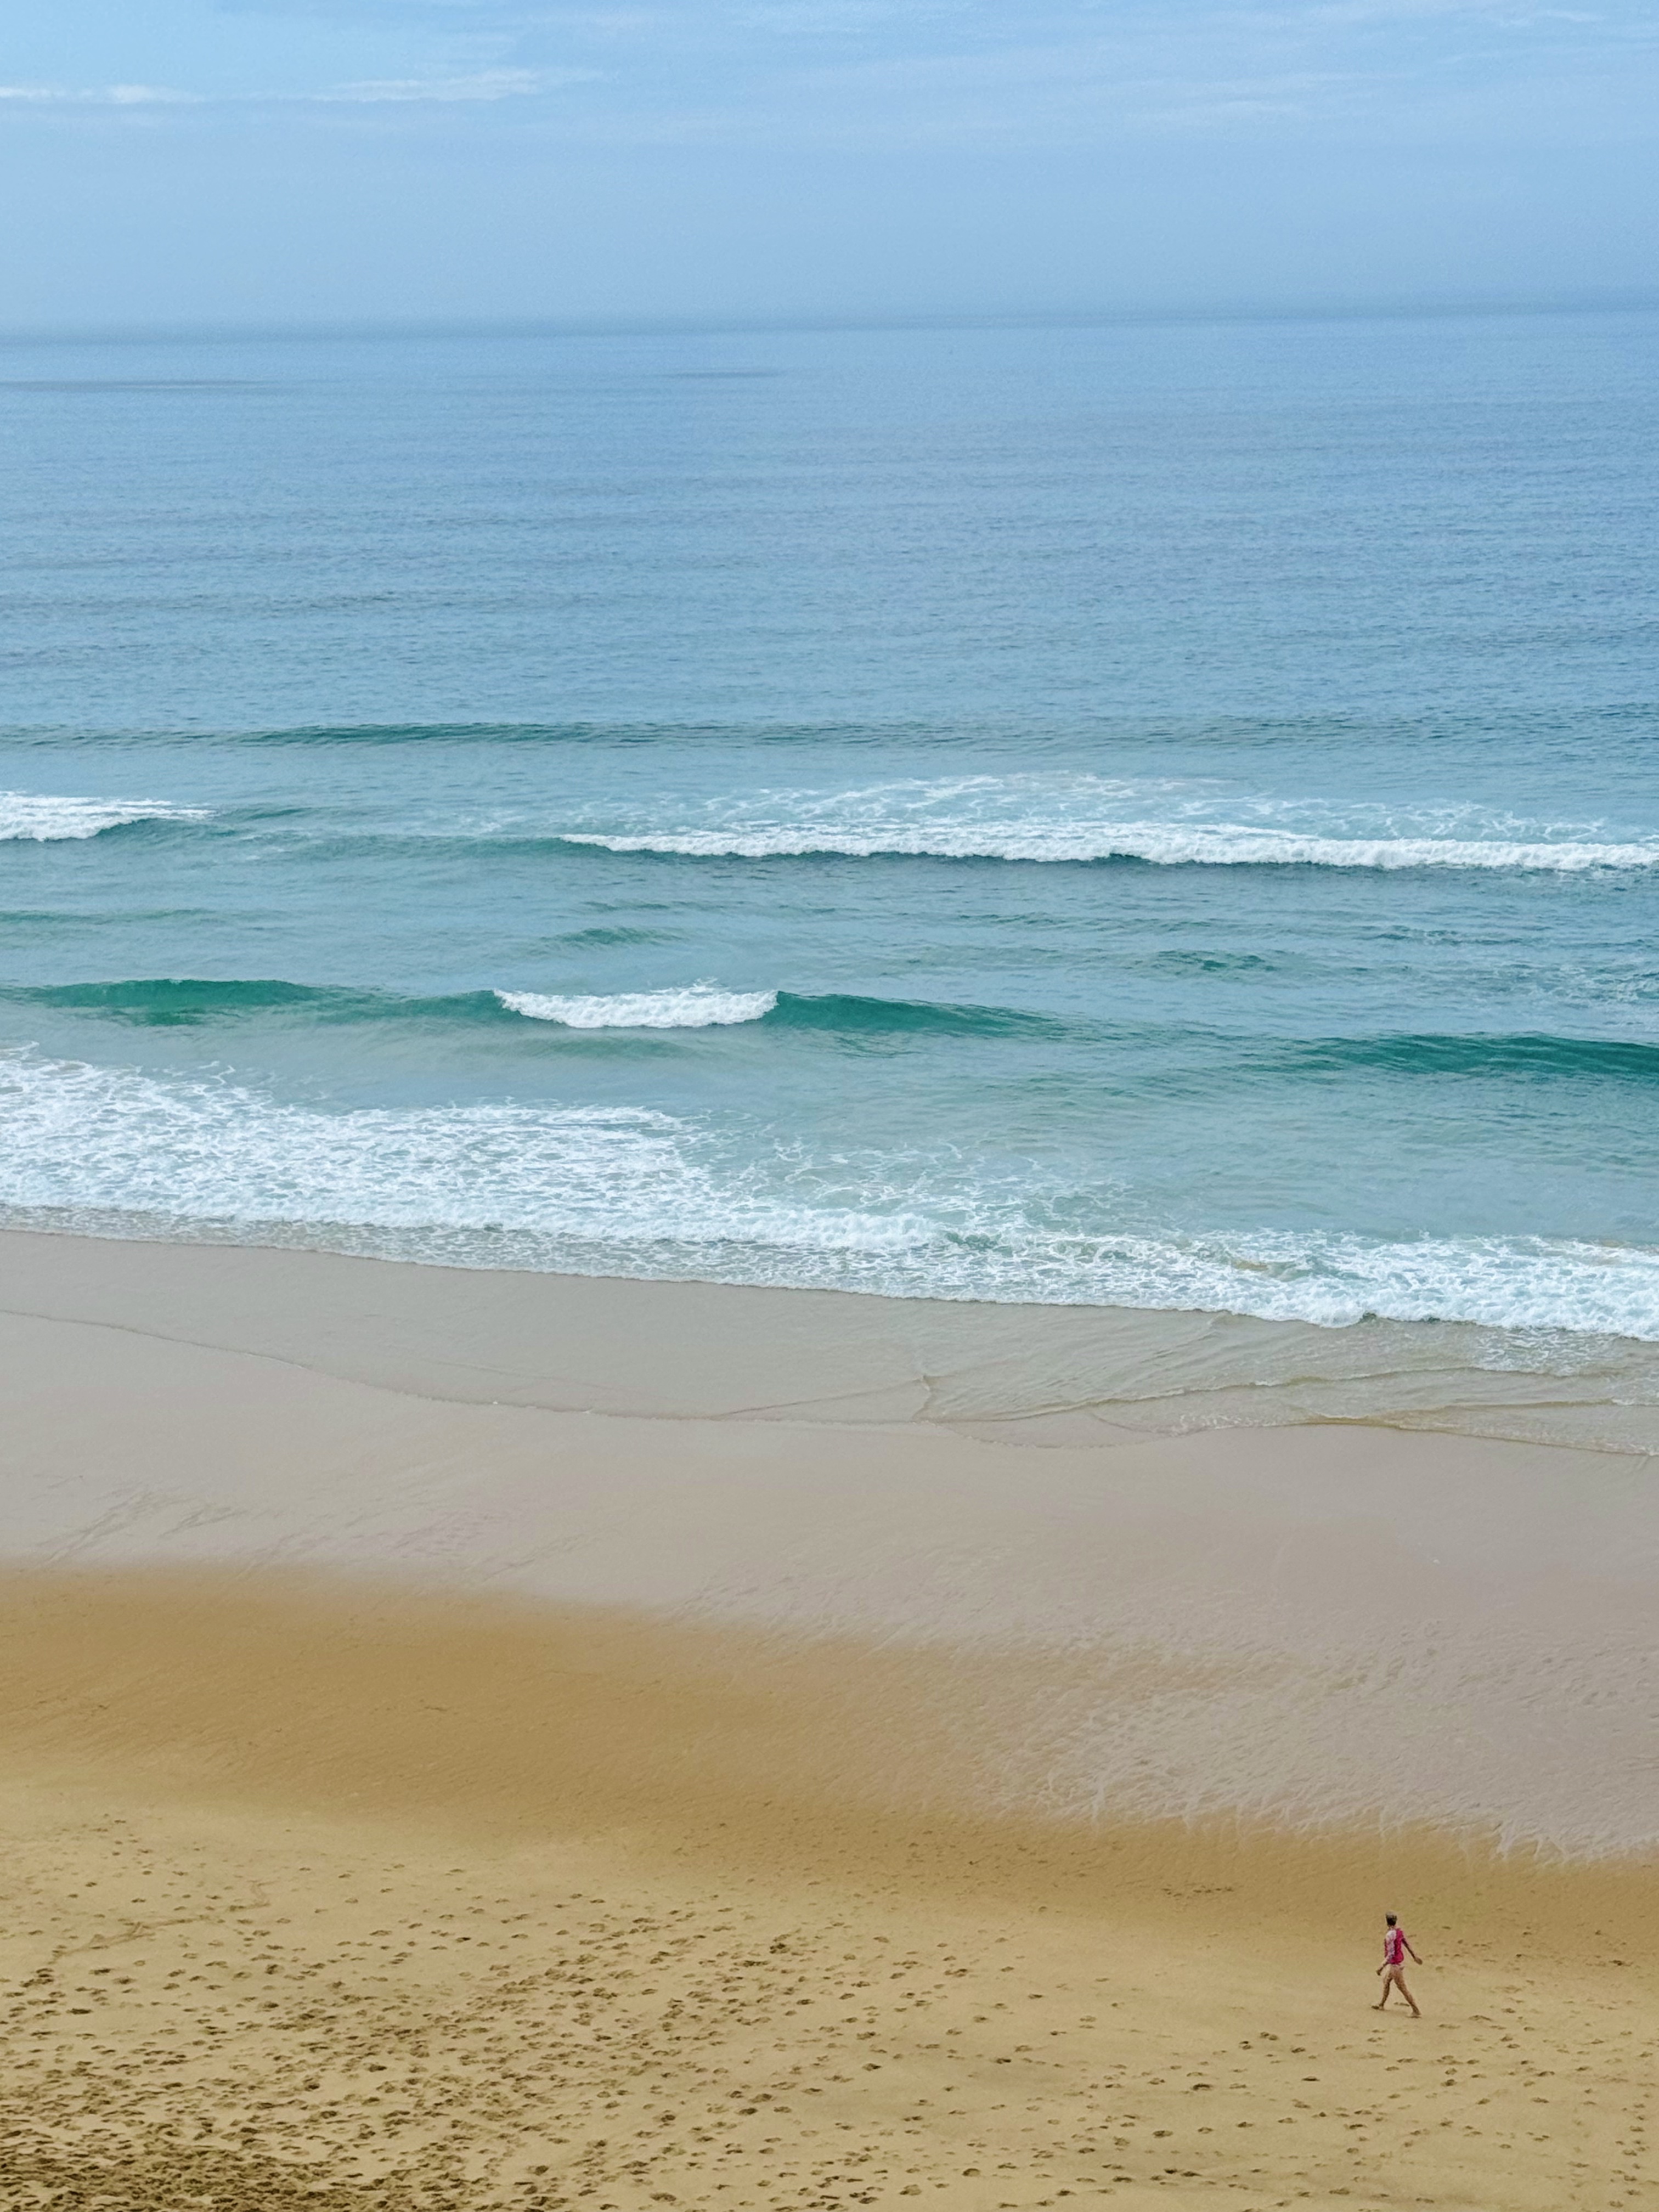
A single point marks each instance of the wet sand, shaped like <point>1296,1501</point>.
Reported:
<point>415,1800</point>
<point>1057,1375</point>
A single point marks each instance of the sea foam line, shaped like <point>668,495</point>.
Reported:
<point>692,1006</point>
<point>44,817</point>
<point>1162,844</point>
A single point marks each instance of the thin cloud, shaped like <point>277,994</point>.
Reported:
<point>863,73</point>
<point>105,96</point>
<point>481,84</point>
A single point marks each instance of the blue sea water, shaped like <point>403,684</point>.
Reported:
<point>1163,816</point>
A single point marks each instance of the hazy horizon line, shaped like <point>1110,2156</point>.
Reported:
<point>738,323</point>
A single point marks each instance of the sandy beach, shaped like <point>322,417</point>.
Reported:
<point>479,1739</point>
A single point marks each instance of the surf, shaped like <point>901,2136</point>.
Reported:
<point>171,1001</point>
<point>633,1191</point>
<point>1153,844</point>
<point>47,817</point>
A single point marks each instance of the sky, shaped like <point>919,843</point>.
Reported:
<point>183,163</point>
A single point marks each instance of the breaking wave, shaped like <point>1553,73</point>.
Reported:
<point>1080,816</point>
<point>44,819</point>
<point>624,1191</point>
<point>695,1006</point>
<point>1157,843</point>
<point>169,1001</point>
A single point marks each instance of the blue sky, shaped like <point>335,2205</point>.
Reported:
<point>325,160</point>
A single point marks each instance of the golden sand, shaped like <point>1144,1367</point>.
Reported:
<point>320,1894</point>
<point>470,1742</point>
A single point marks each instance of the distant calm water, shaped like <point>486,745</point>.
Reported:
<point>1153,816</point>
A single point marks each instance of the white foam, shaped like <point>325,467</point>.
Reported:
<point>627,1192</point>
<point>1071,816</point>
<point>618,1190</point>
<point>1333,1280</point>
<point>44,817</point>
<point>693,1006</point>
<point>1165,844</point>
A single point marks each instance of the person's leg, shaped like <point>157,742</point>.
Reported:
<point>1381,2004</point>
<point>1400,1976</point>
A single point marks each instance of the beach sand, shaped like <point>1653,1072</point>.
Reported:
<point>415,1799</point>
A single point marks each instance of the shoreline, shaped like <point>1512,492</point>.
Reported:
<point>1035,1373</point>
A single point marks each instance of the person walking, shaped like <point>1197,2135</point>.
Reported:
<point>1396,1947</point>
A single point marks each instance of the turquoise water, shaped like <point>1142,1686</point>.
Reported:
<point>1161,816</point>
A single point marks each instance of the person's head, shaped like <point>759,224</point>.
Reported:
<point>1393,1919</point>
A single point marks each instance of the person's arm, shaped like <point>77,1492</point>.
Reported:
<point>1407,1941</point>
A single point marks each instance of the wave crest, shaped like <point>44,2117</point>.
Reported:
<point>45,817</point>
<point>692,1006</point>
<point>1157,843</point>
<point>852,1016</point>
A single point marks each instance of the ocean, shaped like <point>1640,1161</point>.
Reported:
<point>1156,816</point>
